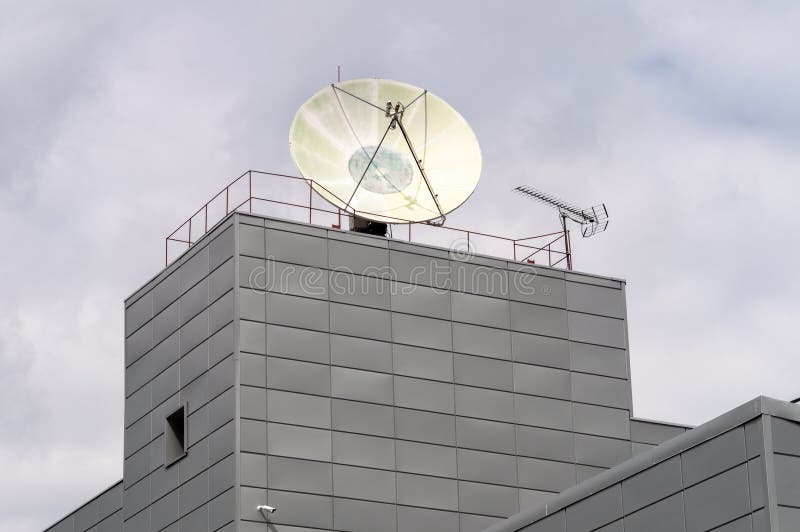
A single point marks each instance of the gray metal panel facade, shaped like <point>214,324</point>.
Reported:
<point>737,472</point>
<point>364,384</point>
<point>786,445</point>
<point>392,387</point>
<point>180,349</point>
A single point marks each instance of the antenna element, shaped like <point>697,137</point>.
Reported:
<point>593,220</point>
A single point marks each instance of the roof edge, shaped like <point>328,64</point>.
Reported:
<point>740,415</point>
<point>75,510</point>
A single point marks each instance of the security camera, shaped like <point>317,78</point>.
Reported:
<point>265,508</point>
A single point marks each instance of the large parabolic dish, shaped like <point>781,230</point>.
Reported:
<point>386,150</point>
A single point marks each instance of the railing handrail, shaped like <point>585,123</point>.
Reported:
<point>314,186</point>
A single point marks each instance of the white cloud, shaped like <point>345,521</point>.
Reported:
<point>118,121</point>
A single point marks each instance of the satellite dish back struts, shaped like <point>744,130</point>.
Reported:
<point>386,151</point>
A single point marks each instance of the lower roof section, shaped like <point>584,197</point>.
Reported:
<point>736,472</point>
<point>103,513</point>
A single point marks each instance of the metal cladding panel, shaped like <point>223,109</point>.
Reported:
<point>652,485</point>
<point>484,372</point>
<point>546,475</point>
<point>299,344</point>
<point>427,492</point>
<point>364,483</point>
<point>366,451</point>
<point>595,511</point>
<point>718,500</point>
<point>360,322</point>
<point>540,350</point>
<point>540,380</point>
<point>545,443</point>
<point>594,299</point>
<point>482,466</point>
<point>482,341</point>
<point>410,519</point>
<point>357,258</point>
<point>361,353</point>
<point>598,360</point>
<point>789,518</point>
<point>359,515</point>
<point>787,480</point>
<point>537,319</point>
<point>292,474</point>
<point>359,385</point>
<point>480,310</point>
<point>298,442</point>
<point>786,436</point>
<point>296,376</point>
<point>420,362</point>
<point>363,418</point>
<point>424,426</point>
<point>485,435</point>
<point>421,300</point>
<point>714,456</point>
<point>360,290</point>
<point>537,289</point>
<point>426,459</point>
<point>598,330</point>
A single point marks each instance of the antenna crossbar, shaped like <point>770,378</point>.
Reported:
<point>593,220</point>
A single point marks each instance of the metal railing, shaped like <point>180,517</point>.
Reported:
<point>256,192</point>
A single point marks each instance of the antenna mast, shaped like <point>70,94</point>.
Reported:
<point>593,220</point>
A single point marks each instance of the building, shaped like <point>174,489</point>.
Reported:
<point>358,383</point>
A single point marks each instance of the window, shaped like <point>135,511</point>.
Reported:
<point>175,430</point>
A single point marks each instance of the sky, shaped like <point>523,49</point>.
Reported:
<point>119,119</point>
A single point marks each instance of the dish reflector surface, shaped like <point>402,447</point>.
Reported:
<point>411,162</point>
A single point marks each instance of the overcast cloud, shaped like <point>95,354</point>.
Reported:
<point>119,119</point>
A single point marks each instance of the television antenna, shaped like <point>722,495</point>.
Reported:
<point>385,152</point>
<point>593,220</point>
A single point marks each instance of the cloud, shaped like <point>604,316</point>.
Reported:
<point>119,120</point>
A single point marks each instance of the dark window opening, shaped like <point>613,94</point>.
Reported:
<point>175,430</point>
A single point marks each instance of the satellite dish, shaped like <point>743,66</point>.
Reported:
<point>386,151</point>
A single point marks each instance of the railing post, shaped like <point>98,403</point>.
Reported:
<point>166,252</point>
<point>190,232</point>
<point>250,180</point>
<point>569,249</point>
<point>310,200</point>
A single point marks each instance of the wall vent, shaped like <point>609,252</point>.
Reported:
<point>175,431</point>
